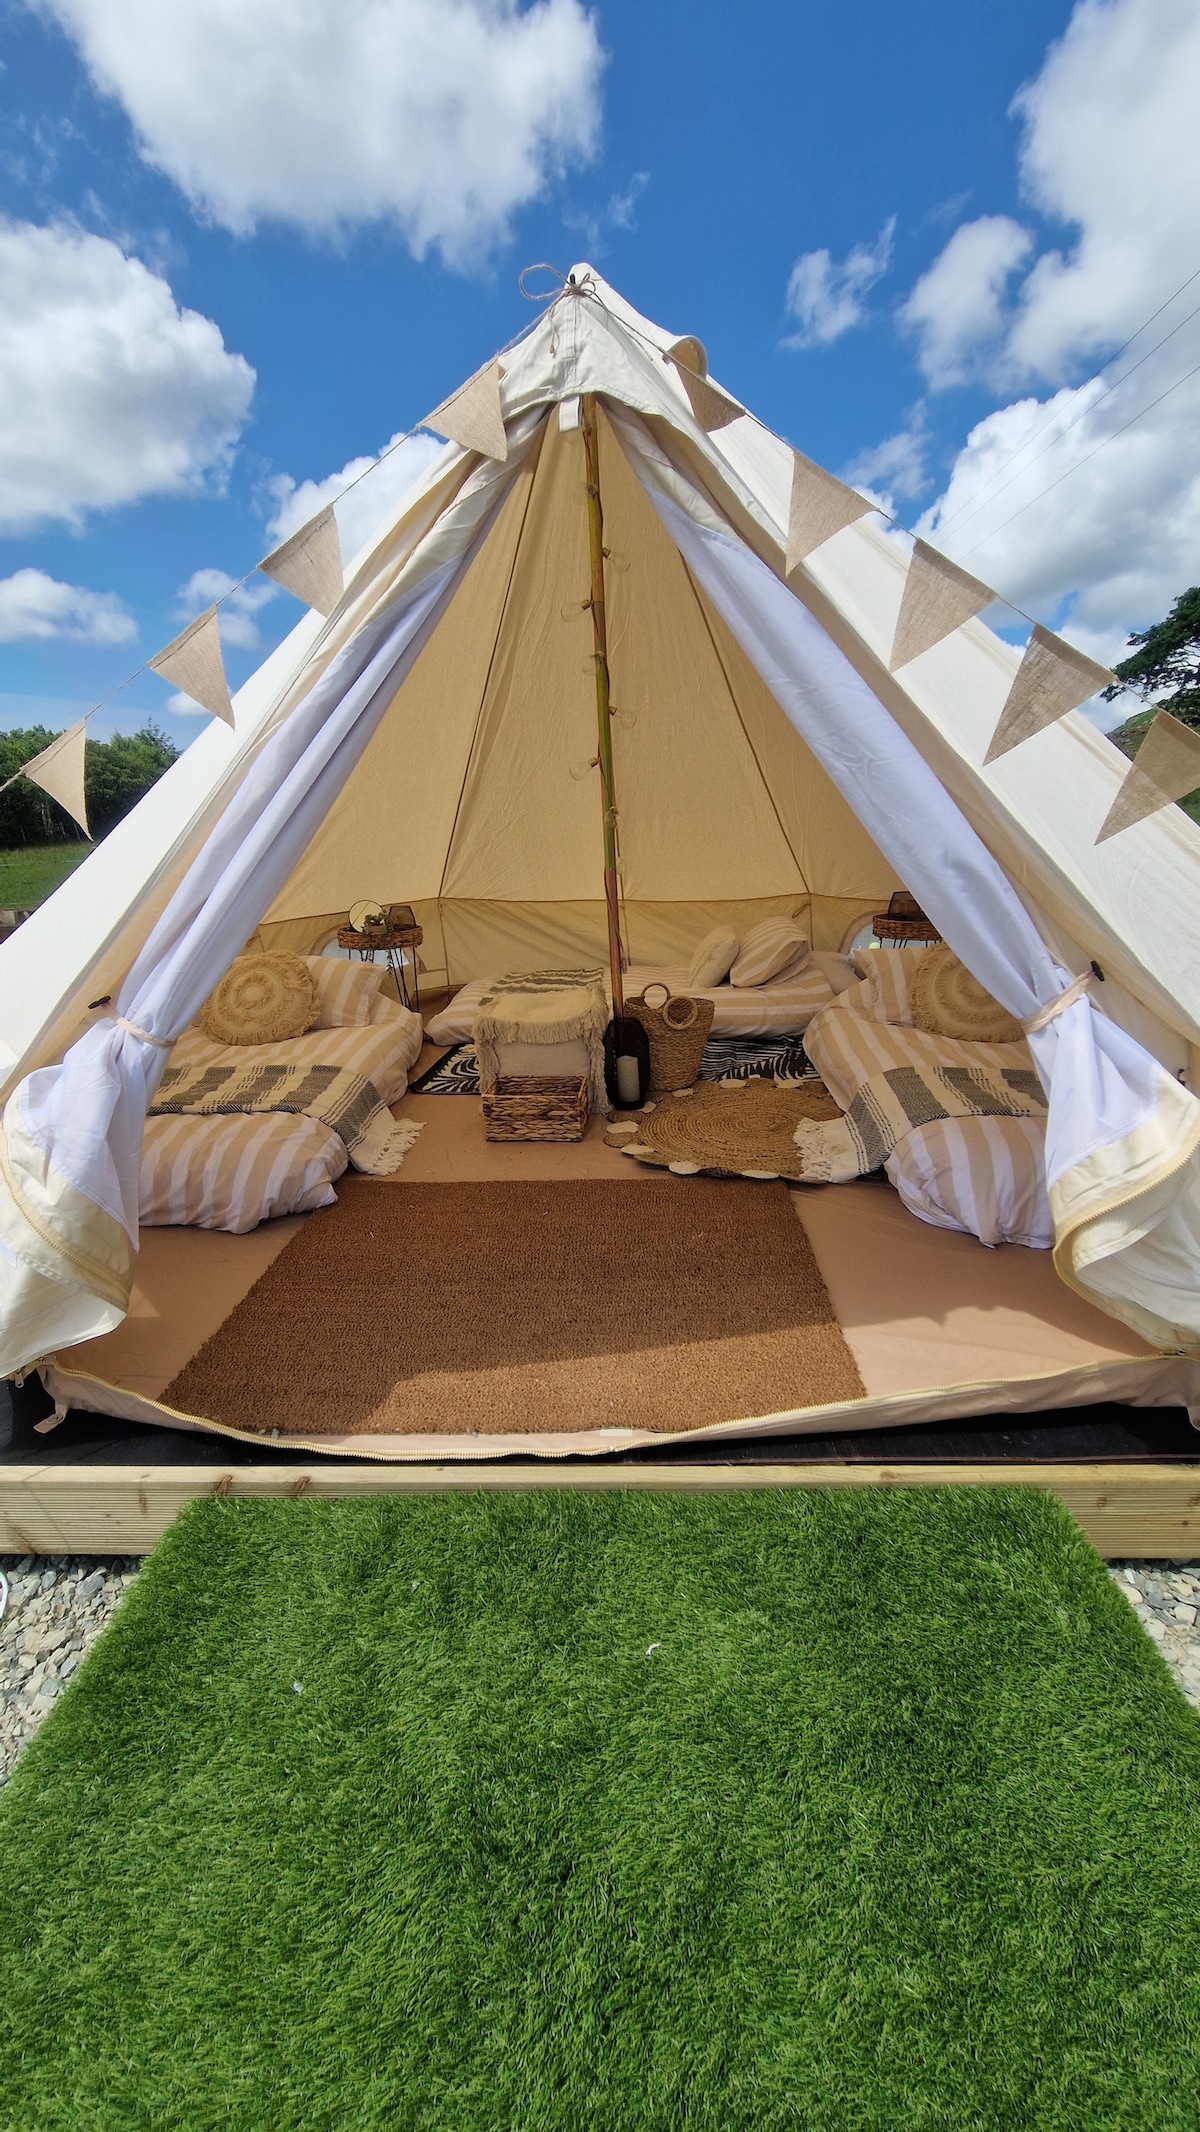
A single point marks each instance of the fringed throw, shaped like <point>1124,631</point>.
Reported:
<point>347,1102</point>
<point>895,1103</point>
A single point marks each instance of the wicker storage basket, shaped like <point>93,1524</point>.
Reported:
<point>536,1107</point>
<point>678,1028</point>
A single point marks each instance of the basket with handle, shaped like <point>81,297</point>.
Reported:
<point>677,1027</point>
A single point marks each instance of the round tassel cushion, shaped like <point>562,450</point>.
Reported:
<point>945,1000</point>
<point>261,1000</point>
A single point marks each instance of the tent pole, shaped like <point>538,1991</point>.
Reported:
<point>591,456</point>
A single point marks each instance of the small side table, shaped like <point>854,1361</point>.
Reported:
<point>395,941</point>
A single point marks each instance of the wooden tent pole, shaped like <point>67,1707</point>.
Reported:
<point>591,456</point>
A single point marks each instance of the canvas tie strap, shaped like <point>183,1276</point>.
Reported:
<point>160,1043</point>
<point>1066,998</point>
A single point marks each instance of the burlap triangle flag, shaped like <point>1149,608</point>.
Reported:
<point>472,417</point>
<point>712,409</point>
<point>310,563</point>
<point>192,662</point>
<point>1052,679</point>
<point>820,507</point>
<point>59,770</point>
<point>1166,768</point>
<point>938,598</point>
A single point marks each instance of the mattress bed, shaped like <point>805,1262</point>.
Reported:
<point>779,1009</point>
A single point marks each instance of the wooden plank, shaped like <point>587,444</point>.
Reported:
<point>1142,1511</point>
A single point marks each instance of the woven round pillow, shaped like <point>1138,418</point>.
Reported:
<point>262,999</point>
<point>945,1000</point>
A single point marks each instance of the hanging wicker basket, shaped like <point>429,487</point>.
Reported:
<point>677,1027</point>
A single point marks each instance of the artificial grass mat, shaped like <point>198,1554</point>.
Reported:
<point>820,1809</point>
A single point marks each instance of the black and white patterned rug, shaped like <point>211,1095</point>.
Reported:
<point>736,1058</point>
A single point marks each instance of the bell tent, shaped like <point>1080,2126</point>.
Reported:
<point>808,713</point>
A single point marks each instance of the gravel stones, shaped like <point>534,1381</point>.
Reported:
<point>1166,1599</point>
<point>57,1606</point>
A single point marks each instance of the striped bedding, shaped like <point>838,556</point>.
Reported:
<point>233,1172</point>
<point>381,1051</point>
<point>984,1176</point>
<point>781,1009</point>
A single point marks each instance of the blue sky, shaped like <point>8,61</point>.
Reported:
<point>891,264</point>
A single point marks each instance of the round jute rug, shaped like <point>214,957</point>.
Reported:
<point>725,1128</point>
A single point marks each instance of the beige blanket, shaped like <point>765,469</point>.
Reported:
<point>892,1104</point>
<point>345,1101</point>
<point>544,1007</point>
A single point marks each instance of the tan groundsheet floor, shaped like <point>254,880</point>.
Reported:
<point>558,1304</point>
<point>939,1326</point>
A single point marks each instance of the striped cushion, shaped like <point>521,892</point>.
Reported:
<point>771,950</point>
<point>346,991</point>
<point>889,972</point>
<point>231,1173</point>
<point>985,1176</point>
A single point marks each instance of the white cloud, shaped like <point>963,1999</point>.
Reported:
<point>1085,503</point>
<point>1111,148</point>
<point>375,499</point>
<point>896,467</point>
<point>826,300</point>
<point>620,212</point>
<point>442,116</point>
<point>236,619</point>
<point>34,607</point>
<point>956,309</point>
<point>108,391</point>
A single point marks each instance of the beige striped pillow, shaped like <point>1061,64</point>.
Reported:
<point>346,991</point>
<point>777,948</point>
<point>233,1172</point>
<point>889,972</point>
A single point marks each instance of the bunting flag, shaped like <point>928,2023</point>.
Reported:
<point>310,563</point>
<point>472,417</point>
<point>1052,679</point>
<point>820,507</point>
<point>712,409</point>
<point>192,663</point>
<point>59,771</point>
<point>938,598</point>
<point>1166,768</point>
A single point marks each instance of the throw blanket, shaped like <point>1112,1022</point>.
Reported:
<point>892,1104</point>
<point>544,1007</point>
<point>347,1102</point>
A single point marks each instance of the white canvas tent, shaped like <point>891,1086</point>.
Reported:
<point>419,744</point>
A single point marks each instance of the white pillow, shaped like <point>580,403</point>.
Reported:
<point>233,1172</point>
<point>346,991</point>
<point>769,949</point>
<point>713,959</point>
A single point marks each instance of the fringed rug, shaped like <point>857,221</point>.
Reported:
<point>735,1129</point>
<point>733,1058</point>
<point>528,1309</point>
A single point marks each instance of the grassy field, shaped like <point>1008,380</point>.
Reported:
<point>29,875</point>
<point>817,1810</point>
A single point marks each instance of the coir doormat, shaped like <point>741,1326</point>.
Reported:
<point>528,1308</point>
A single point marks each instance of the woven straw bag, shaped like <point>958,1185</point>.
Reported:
<point>677,1027</point>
